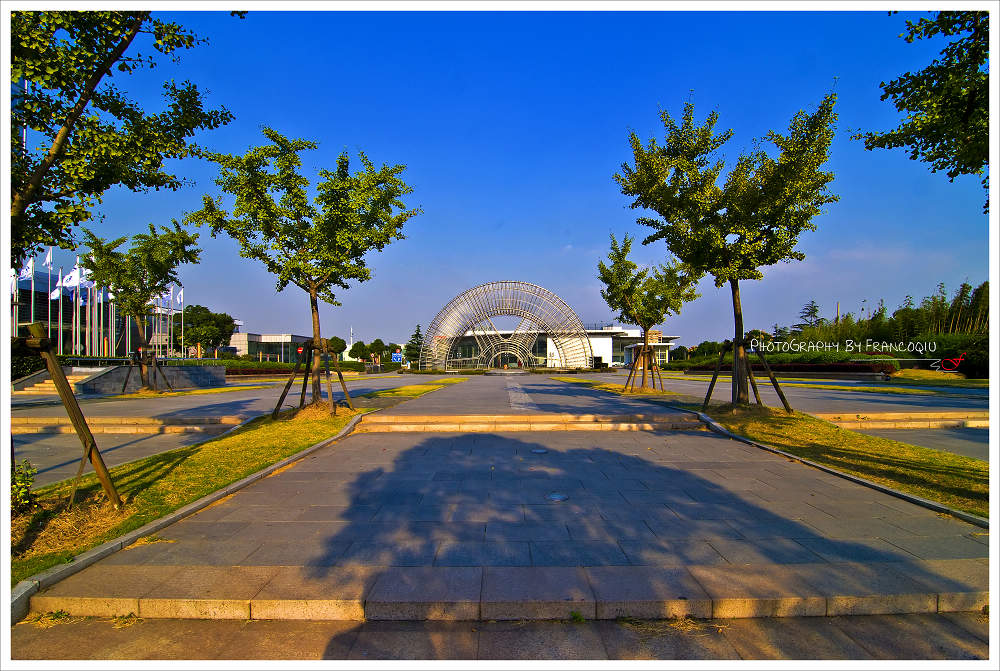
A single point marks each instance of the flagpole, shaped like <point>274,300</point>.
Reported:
<point>183,346</point>
<point>48,312</point>
<point>32,313</point>
<point>61,334</point>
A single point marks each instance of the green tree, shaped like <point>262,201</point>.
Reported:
<point>337,345</point>
<point>140,275</point>
<point>90,136</point>
<point>359,351</point>
<point>642,297</point>
<point>203,328</point>
<point>414,345</point>
<point>947,103</point>
<point>809,314</point>
<point>316,243</point>
<point>376,348</point>
<point>753,220</point>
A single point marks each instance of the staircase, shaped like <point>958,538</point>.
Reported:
<point>143,425</point>
<point>379,423</point>
<point>48,387</point>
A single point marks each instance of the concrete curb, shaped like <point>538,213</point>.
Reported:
<point>925,503</point>
<point>22,592</point>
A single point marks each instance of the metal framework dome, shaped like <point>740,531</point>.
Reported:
<point>540,311</point>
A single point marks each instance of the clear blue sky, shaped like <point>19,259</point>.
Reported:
<point>511,126</point>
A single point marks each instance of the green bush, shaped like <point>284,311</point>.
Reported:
<point>22,499</point>
<point>22,366</point>
<point>975,363</point>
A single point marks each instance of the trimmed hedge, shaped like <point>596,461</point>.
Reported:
<point>22,366</point>
<point>887,367</point>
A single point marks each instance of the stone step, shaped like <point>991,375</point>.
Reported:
<point>160,421</point>
<point>377,423</point>
<point>938,419</point>
<point>119,428</point>
<point>357,592</point>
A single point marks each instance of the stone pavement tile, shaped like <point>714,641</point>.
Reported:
<point>291,532</point>
<point>791,638</point>
<point>102,590</point>
<point>761,590</point>
<point>855,549</point>
<point>426,593</point>
<point>475,553</point>
<point>931,524</point>
<point>940,546</point>
<point>590,528</point>
<point>416,640</point>
<point>857,527</point>
<point>671,553</point>
<point>414,513</point>
<point>414,532</point>
<point>327,593</point>
<point>485,512</point>
<point>707,511</point>
<point>874,588</point>
<point>694,529</point>
<point>380,498</point>
<point>577,553</point>
<point>138,554</point>
<point>666,639</point>
<point>191,530</point>
<point>769,525</point>
<point>647,592</point>
<point>190,553</point>
<point>314,552</point>
<point>536,592</point>
<point>261,514</point>
<point>322,513</point>
<point>852,508</point>
<point>768,551</point>
<point>912,637</point>
<point>977,624</point>
<point>529,531</point>
<point>289,639</point>
<point>980,536</point>
<point>564,511</point>
<point>369,553</point>
<point>628,514</point>
<point>213,592</point>
<point>540,640</point>
<point>961,584</point>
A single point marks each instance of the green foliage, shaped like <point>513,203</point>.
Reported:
<point>358,350</point>
<point>641,297</point>
<point>377,348</point>
<point>85,135</point>
<point>337,344</point>
<point>414,345</point>
<point>947,103</point>
<point>202,326</point>
<point>144,272</point>
<point>22,477</point>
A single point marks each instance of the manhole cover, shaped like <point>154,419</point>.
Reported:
<point>539,450</point>
<point>556,496</point>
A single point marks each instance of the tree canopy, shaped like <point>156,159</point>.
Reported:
<point>753,220</point>
<point>947,103</point>
<point>84,135</point>
<point>316,243</point>
<point>204,327</point>
<point>414,344</point>
<point>358,351</point>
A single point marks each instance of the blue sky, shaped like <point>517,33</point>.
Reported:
<point>512,125</point>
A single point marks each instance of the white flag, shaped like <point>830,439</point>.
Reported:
<point>48,259</point>
<point>55,293</point>
<point>73,279</point>
<point>13,281</point>
<point>28,270</point>
<point>180,296</point>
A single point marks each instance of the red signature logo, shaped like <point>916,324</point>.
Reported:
<point>948,364</point>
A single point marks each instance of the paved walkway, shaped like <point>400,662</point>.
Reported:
<point>541,525</point>
<point>894,637</point>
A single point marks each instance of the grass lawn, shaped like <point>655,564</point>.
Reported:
<point>953,480</point>
<point>936,378</point>
<point>156,485</point>
<point>413,390</point>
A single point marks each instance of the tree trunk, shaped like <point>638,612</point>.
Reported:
<point>144,350</point>
<point>741,394</point>
<point>643,357</point>
<point>317,393</point>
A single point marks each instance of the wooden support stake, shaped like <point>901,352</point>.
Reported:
<point>329,380</point>
<point>288,385</point>
<point>774,381</point>
<point>128,374</point>
<point>631,373</point>
<point>69,401</point>
<point>307,350</point>
<point>343,384</point>
<point>753,383</point>
<point>156,369</point>
<point>715,376</point>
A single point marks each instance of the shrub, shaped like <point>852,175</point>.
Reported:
<point>22,499</point>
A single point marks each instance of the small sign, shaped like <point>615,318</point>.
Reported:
<point>397,357</point>
<point>300,350</point>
